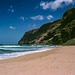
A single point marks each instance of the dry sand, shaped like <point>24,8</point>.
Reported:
<point>59,61</point>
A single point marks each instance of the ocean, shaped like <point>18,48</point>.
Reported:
<point>9,51</point>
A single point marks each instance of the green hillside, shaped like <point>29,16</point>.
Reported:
<point>59,32</point>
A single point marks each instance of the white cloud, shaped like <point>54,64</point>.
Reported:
<point>49,17</point>
<point>55,4</point>
<point>45,5</point>
<point>11,9</point>
<point>31,26</point>
<point>38,17</point>
<point>11,27</point>
<point>41,17</point>
<point>22,18</point>
<point>34,26</point>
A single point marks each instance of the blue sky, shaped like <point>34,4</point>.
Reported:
<point>19,16</point>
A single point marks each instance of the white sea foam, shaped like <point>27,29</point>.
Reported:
<point>10,51</point>
<point>11,55</point>
<point>8,46</point>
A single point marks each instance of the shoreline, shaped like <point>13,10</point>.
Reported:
<point>30,52</point>
<point>59,61</point>
<point>30,55</point>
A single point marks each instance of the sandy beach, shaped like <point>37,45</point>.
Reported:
<point>59,61</point>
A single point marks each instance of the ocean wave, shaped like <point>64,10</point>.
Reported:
<point>16,54</point>
<point>3,51</point>
<point>17,49</point>
<point>9,51</point>
<point>23,46</point>
<point>9,46</point>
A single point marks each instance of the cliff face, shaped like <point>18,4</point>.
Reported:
<point>58,32</point>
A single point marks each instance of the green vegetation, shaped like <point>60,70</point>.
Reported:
<point>70,42</point>
<point>59,32</point>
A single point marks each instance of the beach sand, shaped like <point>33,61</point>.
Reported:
<point>59,61</point>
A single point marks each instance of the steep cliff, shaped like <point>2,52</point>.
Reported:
<point>55,33</point>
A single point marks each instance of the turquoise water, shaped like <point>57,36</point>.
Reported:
<point>9,51</point>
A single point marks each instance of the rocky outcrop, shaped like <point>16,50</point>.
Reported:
<point>55,33</point>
